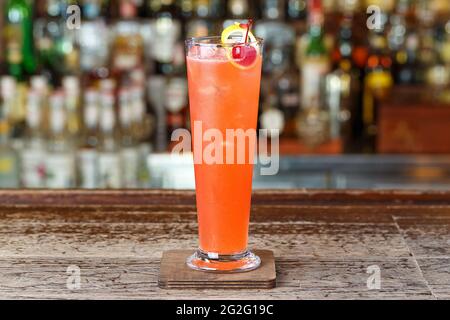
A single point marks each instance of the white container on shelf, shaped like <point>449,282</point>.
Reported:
<point>171,171</point>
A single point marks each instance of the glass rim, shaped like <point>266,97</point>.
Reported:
<point>216,41</point>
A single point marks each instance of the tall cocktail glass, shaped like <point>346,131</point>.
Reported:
<point>224,91</point>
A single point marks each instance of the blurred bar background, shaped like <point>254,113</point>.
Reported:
<point>360,103</point>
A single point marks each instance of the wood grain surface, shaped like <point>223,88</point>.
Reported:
<point>326,243</point>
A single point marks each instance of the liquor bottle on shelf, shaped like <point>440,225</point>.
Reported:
<point>20,57</point>
<point>343,50</point>
<point>445,47</point>
<point>40,85</point>
<point>406,62</point>
<point>377,85</point>
<point>143,124</point>
<point>125,116</point>
<point>110,167</point>
<point>176,104</point>
<point>340,89</point>
<point>316,61</point>
<point>155,86</point>
<point>60,157</point>
<point>71,85</point>
<point>403,43</point>
<point>128,44</point>
<point>398,27</point>
<point>284,79</point>
<point>286,85</point>
<point>313,119</point>
<point>8,91</point>
<point>9,171</point>
<point>49,58</point>
<point>20,61</point>
<point>437,74</point>
<point>14,96</point>
<point>138,114</point>
<point>444,54</point>
<point>342,85</point>
<point>56,45</point>
<point>70,42</point>
<point>427,54</point>
<point>88,167</point>
<point>33,154</point>
<point>2,46</point>
<point>167,31</point>
<point>278,44</point>
<point>94,43</point>
<point>129,152</point>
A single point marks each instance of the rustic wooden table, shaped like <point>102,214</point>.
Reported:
<point>327,244</point>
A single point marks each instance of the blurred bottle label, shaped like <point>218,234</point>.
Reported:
<point>130,160</point>
<point>33,115</point>
<point>94,44</point>
<point>60,171</point>
<point>8,171</point>
<point>143,171</point>
<point>58,120</point>
<point>109,170</point>
<point>107,121</point>
<point>91,113</point>
<point>89,169</point>
<point>33,168</point>
<point>313,71</point>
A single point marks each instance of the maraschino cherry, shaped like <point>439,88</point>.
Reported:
<point>244,53</point>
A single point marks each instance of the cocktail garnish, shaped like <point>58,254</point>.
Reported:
<point>244,52</point>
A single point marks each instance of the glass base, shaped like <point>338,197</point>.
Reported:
<point>213,262</point>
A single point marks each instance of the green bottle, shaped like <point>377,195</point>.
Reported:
<point>315,62</point>
<point>20,58</point>
<point>316,45</point>
<point>313,125</point>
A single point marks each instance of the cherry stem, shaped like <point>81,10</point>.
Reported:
<point>249,26</point>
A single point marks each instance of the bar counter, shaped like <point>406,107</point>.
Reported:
<point>326,243</point>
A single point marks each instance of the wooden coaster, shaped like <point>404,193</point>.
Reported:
<point>175,274</point>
